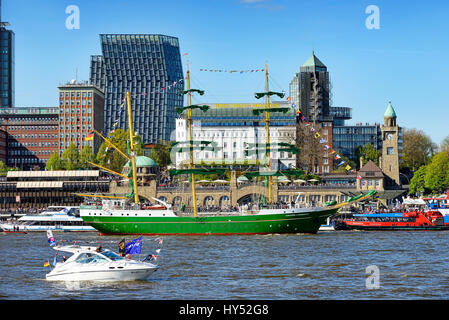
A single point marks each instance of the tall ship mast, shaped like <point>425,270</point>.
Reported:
<point>125,215</point>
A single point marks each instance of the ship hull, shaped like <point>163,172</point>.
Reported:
<point>285,221</point>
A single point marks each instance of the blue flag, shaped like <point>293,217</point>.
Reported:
<point>134,247</point>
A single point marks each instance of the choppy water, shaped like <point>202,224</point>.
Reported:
<point>328,265</point>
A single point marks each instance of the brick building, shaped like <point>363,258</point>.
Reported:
<point>81,110</point>
<point>31,136</point>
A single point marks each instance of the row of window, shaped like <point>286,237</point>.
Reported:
<point>77,94</point>
<point>72,103</point>
<point>25,152</point>
<point>31,128</point>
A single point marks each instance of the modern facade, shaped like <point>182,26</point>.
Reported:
<point>7,78</point>
<point>232,127</point>
<point>149,66</point>
<point>348,138</point>
<point>81,111</point>
<point>32,135</point>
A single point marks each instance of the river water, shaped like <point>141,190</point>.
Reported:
<point>329,265</point>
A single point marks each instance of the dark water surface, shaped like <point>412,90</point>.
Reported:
<point>328,265</point>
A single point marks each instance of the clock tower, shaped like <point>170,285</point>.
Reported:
<point>390,147</point>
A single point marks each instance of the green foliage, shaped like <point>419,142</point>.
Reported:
<point>86,154</point>
<point>3,168</point>
<point>161,154</point>
<point>110,158</point>
<point>55,162</point>
<point>437,178</point>
<point>70,157</point>
<point>417,183</point>
<point>368,152</point>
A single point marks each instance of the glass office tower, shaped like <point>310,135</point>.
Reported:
<point>6,67</point>
<point>149,66</point>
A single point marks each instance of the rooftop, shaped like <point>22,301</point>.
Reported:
<point>390,113</point>
<point>313,61</point>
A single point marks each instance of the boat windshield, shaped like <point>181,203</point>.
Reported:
<point>90,258</point>
<point>111,255</point>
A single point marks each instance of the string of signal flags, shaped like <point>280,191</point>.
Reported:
<point>316,134</point>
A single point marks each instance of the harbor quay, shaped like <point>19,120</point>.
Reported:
<point>22,190</point>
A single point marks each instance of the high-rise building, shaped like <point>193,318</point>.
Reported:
<point>147,66</point>
<point>310,90</point>
<point>6,65</point>
<point>81,111</point>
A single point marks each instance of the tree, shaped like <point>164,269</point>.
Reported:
<point>86,154</point>
<point>444,146</point>
<point>368,152</point>
<point>161,154</point>
<point>417,183</point>
<point>70,157</point>
<point>436,178</point>
<point>417,151</point>
<point>3,168</point>
<point>54,163</point>
<point>110,158</point>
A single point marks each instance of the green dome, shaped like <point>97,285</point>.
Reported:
<point>390,113</point>
<point>142,161</point>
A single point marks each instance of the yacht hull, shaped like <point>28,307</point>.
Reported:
<point>101,275</point>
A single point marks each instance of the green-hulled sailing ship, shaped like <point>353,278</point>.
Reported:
<point>127,216</point>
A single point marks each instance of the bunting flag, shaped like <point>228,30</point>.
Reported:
<point>232,70</point>
<point>317,135</point>
<point>47,263</point>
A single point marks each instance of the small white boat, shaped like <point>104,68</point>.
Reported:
<point>327,227</point>
<point>88,264</point>
<point>55,218</point>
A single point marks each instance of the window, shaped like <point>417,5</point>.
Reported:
<point>390,150</point>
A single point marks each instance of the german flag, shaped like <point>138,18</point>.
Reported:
<point>89,137</point>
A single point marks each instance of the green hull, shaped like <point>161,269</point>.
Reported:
<point>303,222</point>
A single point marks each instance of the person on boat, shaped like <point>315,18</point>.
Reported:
<point>99,249</point>
<point>64,258</point>
<point>121,248</point>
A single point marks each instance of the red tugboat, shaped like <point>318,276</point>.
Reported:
<point>414,220</point>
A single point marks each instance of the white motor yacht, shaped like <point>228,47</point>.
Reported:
<point>88,264</point>
<point>56,218</point>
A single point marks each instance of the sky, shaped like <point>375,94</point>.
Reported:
<point>404,60</point>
